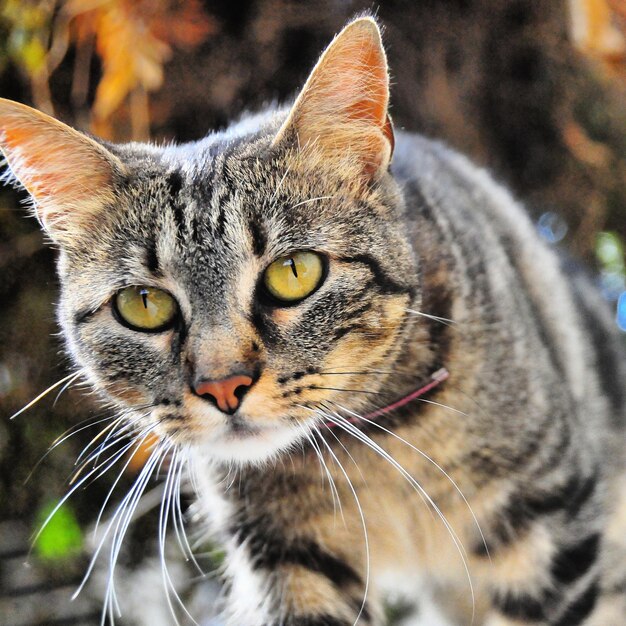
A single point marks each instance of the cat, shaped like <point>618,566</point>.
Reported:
<point>377,376</point>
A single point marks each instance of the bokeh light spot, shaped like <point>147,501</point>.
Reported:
<point>552,227</point>
<point>621,311</point>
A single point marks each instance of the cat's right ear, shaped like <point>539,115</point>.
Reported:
<point>341,113</point>
<point>69,176</point>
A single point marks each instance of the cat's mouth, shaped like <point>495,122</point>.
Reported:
<point>241,440</point>
<point>238,427</point>
<point>249,435</point>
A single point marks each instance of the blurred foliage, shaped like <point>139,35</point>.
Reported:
<point>598,30</point>
<point>58,533</point>
<point>28,31</point>
<point>610,253</point>
<point>132,40</point>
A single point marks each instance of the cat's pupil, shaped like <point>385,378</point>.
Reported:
<point>293,267</point>
<point>144,298</point>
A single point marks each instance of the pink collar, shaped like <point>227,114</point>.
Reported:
<point>435,379</point>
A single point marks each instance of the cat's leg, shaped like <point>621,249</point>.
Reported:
<point>611,607</point>
<point>295,557</point>
<point>274,580</point>
<point>544,565</point>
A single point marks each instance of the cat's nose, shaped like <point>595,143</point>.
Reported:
<point>226,394</point>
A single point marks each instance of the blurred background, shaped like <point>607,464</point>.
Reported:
<point>532,89</point>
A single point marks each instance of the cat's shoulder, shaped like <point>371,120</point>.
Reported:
<point>435,173</point>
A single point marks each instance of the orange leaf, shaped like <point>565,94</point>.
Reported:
<point>131,56</point>
<point>594,30</point>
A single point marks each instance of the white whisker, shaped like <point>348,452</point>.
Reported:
<point>64,388</point>
<point>71,377</point>
<point>280,184</point>
<point>119,524</point>
<point>166,505</point>
<point>109,463</point>
<point>110,431</point>
<point>430,460</point>
<point>443,406</point>
<point>436,318</point>
<point>145,472</point>
<point>344,424</point>
<point>333,487</point>
<point>295,206</point>
<point>365,535</point>
<point>136,443</point>
<point>179,522</point>
<point>348,453</point>
<point>70,432</point>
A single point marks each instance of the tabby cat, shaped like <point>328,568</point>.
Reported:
<point>376,375</point>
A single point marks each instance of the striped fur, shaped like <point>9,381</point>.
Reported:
<point>501,491</point>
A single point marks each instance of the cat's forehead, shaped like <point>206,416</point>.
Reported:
<point>228,194</point>
<point>199,218</point>
<point>201,214</point>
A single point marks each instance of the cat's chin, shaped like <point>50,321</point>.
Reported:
<point>250,445</point>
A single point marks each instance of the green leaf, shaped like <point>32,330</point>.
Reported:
<point>62,537</point>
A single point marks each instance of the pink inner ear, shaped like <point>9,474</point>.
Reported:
<point>342,110</point>
<point>68,174</point>
<point>370,64</point>
<point>42,178</point>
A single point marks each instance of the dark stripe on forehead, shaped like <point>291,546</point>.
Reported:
<point>220,224</point>
<point>217,190</point>
<point>174,183</point>
<point>259,235</point>
<point>385,283</point>
<point>152,259</point>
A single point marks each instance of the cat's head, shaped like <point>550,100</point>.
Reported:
<point>225,290</point>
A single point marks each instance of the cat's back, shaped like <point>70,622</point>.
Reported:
<point>541,305</point>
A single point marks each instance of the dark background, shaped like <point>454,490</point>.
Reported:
<point>532,89</point>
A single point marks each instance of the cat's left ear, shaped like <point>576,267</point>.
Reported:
<point>69,176</point>
<point>343,108</point>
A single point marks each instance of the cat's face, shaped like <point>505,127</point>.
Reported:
<point>204,228</point>
<point>204,238</point>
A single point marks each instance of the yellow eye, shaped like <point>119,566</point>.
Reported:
<point>145,308</point>
<point>294,277</point>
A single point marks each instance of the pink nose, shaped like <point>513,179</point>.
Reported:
<point>226,393</point>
